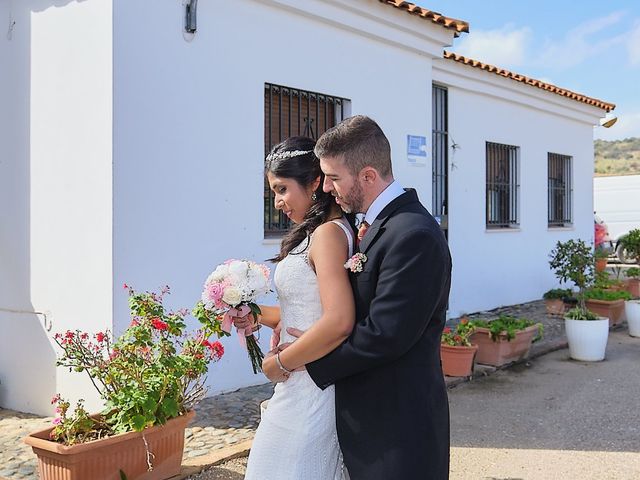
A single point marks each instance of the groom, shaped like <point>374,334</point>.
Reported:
<point>391,399</point>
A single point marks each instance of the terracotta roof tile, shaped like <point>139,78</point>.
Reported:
<point>531,81</point>
<point>458,25</point>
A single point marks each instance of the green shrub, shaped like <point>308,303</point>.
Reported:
<point>581,314</point>
<point>508,325</point>
<point>606,295</point>
<point>557,293</point>
<point>633,272</point>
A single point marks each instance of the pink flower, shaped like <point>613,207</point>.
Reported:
<point>100,337</point>
<point>215,291</point>
<point>57,421</point>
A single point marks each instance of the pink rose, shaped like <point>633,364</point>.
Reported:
<point>215,292</point>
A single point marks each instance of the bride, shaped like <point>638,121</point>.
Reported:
<point>297,438</point>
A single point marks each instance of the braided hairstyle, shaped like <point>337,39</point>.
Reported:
<point>304,169</point>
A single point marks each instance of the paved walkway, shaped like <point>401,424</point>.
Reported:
<point>229,419</point>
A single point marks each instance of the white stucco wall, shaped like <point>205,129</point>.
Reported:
<point>189,135</point>
<point>56,237</point>
<point>509,266</point>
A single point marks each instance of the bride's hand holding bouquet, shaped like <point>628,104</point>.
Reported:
<point>231,290</point>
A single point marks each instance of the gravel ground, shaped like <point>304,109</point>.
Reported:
<point>231,470</point>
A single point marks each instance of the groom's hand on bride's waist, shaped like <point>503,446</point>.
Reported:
<point>294,332</point>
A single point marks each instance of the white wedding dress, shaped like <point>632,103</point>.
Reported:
<point>296,438</point>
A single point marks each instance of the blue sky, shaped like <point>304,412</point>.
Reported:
<point>591,47</point>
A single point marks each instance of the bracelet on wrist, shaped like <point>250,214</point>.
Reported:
<point>280,366</point>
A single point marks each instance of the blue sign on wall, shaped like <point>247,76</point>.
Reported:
<point>416,150</point>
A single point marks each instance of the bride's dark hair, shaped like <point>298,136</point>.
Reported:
<point>304,168</point>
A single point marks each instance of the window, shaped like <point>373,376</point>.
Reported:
<point>290,112</point>
<point>560,190</point>
<point>502,186</point>
<point>439,170</point>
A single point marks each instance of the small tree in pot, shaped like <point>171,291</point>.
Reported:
<point>633,281</point>
<point>631,243</point>
<point>587,333</point>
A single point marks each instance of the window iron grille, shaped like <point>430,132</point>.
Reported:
<point>560,190</point>
<point>502,186</point>
<point>290,112</point>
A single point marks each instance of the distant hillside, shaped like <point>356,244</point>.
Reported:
<point>617,157</point>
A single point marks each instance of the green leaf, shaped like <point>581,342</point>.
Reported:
<point>170,407</point>
<point>123,476</point>
<point>138,422</point>
<point>149,405</point>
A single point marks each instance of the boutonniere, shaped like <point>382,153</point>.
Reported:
<point>356,262</point>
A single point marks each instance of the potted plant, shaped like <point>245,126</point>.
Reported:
<point>633,281</point>
<point>554,300</point>
<point>631,243</point>
<point>604,281</point>
<point>150,378</point>
<point>601,256</point>
<point>504,340</point>
<point>456,351</point>
<point>587,333</point>
<point>606,303</point>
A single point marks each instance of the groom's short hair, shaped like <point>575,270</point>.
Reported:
<point>360,142</point>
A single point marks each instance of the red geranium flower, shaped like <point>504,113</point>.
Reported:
<point>217,349</point>
<point>159,324</point>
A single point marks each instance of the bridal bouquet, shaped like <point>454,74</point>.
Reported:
<point>231,291</point>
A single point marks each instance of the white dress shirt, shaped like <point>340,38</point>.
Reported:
<point>389,194</point>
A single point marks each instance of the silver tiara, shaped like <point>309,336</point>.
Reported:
<point>286,154</point>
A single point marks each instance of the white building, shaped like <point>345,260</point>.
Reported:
<point>131,151</point>
<point>617,201</point>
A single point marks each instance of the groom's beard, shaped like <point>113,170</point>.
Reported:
<point>353,201</point>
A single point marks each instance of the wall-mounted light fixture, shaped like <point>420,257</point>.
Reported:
<point>608,120</point>
<point>190,24</point>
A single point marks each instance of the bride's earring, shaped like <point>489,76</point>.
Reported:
<point>314,197</point>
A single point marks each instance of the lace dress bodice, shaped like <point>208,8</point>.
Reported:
<point>297,289</point>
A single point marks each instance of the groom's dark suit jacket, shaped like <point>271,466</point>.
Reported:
<point>391,400</point>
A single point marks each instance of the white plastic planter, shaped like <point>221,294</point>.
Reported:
<point>632,312</point>
<point>587,338</point>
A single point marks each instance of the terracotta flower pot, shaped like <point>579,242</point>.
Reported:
<point>601,264</point>
<point>612,310</point>
<point>555,306</point>
<point>502,351</point>
<point>633,287</point>
<point>457,361</point>
<point>104,459</point>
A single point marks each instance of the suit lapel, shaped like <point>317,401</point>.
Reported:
<point>376,229</point>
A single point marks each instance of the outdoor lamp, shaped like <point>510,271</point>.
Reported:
<point>608,120</point>
<point>190,7</point>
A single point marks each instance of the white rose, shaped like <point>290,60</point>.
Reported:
<point>219,273</point>
<point>257,282</point>
<point>232,296</point>
<point>238,270</point>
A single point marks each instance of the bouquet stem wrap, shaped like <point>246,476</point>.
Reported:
<point>245,335</point>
